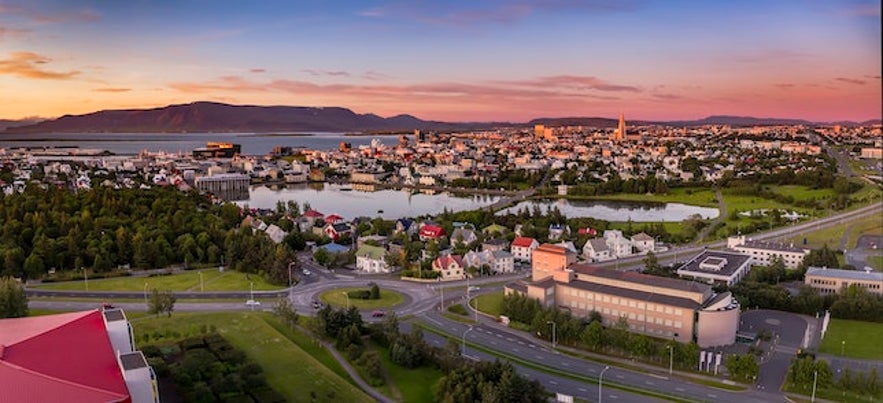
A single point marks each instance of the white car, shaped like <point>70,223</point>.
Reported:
<point>252,302</point>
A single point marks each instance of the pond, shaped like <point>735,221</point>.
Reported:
<point>350,201</point>
<point>618,210</point>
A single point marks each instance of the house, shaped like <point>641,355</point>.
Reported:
<point>371,259</point>
<point>568,245</point>
<point>275,233</point>
<point>406,225</point>
<point>478,259</point>
<point>556,231</point>
<point>643,243</point>
<point>587,231</point>
<point>463,236</point>
<point>503,262</point>
<point>431,232</point>
<point>494,244</point>
<point>451,267</point>
<point>333,219</point>
<point>84,356</point>
<point>522,248</point>
<point>377,240</point>
<point>308,220</point>
<point>495,229</point>
<point>619,245</point>
<point>339,230</point>
<point>596,250</point>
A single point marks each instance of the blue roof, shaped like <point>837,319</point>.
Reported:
<point>334,247</point>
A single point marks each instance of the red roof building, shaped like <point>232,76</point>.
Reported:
<point>430,231</point>
<point>73,357</point>
<point>313,214</point>
<point>333,219</point>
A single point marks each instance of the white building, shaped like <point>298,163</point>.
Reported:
<point>643,243</point>
<point>717,267</point>
<point>522,248</point>
<point>371,259</point>
<point>619,245</point>
<point>762,253</point>
<point>596,250</point>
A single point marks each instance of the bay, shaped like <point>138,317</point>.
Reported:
<point>618,210</point>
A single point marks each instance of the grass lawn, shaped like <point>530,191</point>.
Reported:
<point>876,262</point>
<point>672,227</point>
<point>414,385</point>
<point>337,297</point>
<point>868,226</point>
<point>212,279</point>
<point>491,304</point>
<point>858,338</point>
<point>801,193</point>
<point>833,235</point>
<point>289,369</point>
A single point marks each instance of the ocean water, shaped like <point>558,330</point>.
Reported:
<point>133,143</point>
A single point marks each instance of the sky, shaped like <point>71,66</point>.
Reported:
<point>450,60</point>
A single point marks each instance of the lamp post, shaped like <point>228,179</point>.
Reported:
<point>601,383</point>
<point>289,273</point>
<point>347,299</point>
<point>815,379</point>
<point>671,358</point>
<point>463,350</point>
<point>85,277</point>
<point>145,294</point>
<point>251,293</point>
<point>553,332</point>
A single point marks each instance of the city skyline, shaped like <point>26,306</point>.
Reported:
<point>453,61</point>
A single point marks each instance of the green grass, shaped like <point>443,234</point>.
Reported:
<point>415,385</point>
<point>829,394</point>
<point>309,344</point>
<point>869,226</point>
<point>213,280</point>
<point>802,193</point>
<point>859,338</point>
<point>491,304</point>
<point>266,300</point>
<point>337,297</point>
<point>672,227</point>
<point>876,262</point>
<point>289,369</point>
<point>458,318</point>
<point>832,236</point>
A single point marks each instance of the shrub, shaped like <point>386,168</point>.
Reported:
<point>458,309</point>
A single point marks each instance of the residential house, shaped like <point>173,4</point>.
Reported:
<point>451,267</point>
<point>522,248</point>
<point>431,232</point>
<point>406,225</point>
<point>596,250</point>
<point>619,245</point>
<point>494,244</point>
<point>556,231</point>
<point>643,243</point>
<point>463,236</point>
<point>275,233</point>
<point>371,259</point>
<point>339,230</point>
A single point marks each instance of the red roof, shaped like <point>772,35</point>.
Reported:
<point>333,218</point>
<point>66,357</point>
<point>432,231</point>
<point>313,214</point>
<point>523,242</point>
<point>444,261</point>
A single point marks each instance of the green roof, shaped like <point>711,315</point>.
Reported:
<point>371,252</point>
<point>495,228</point>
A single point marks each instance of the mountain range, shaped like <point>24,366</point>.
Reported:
<point>219,117</point>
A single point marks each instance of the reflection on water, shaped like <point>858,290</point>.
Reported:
<point>618,210</point>
<point>352,201</point>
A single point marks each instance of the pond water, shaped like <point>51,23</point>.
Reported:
<point>618,210</point>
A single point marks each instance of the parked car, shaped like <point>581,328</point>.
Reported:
<point>378,314</point>
<point>252,302</point>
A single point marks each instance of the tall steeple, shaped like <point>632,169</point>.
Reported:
<point>620,131</point>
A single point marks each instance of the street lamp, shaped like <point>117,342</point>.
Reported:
<point>463,351</point>
<point>553,332</point>
<point>289,273</point>
<point>601,383</point>
<point>145,293</point>
<point>251,293</point>
<point>85,277</point>
<point>671,358</point>
<point>815,379</point>
<point>347,300</point>
<point>842,344</point>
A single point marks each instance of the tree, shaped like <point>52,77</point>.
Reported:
<point>161,302</point>
<point>13,300</point>
<point>322,257</point>
<point>286,312</point>
<point>743,367</point>
<point>651,263</point>
<point>375,292</point>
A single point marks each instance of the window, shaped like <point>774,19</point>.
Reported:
<point>641,317</point>
<point>668,310</point>
<point>678,323</point>
<point>632,316</point>
<point>668,322</point>
<point>641,305</point>
<point>631,304</point>
<point>606,298</point>
<point>679,312</point>
<point>658,308</point>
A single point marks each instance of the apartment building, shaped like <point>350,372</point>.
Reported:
<point>762,253</point>
<point>830,281</point>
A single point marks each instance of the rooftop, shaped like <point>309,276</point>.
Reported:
<point>633,294</point>
<point>776,246</point>
<point>845,274</point>
<point>639,278</point>
<point>723,263</point>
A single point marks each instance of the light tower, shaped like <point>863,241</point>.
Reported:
<point>620,131</point>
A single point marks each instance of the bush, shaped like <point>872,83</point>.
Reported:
<point>458,309</point>
<point>359,294</point>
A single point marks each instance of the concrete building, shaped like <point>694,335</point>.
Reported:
<point>717,267</point>
<point>643,243</point>
<point>830,281</point>
<point>225,186</point>
<point>656,306</point>
<point>548,259</point>
<point>596,250</point>
<point>762,253</point>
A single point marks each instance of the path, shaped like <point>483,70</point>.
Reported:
<point>722,206</point>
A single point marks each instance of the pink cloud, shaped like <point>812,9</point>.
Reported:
<point>850,80</point>
<point>29,65</point>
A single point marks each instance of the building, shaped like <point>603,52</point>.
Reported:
<point>549,259</point>
<point>451,267</point>
<point>522,248</point>
<point>620,129</point>
<point>717,267</point>
<point>494,244</point>
<point>762,253</point>
<point>225,186</point>
<point>619,245</point>
<point>84,356</point>
<point>596,250</point>
<point>497,261</point>
<point>643,243</point>
<point>872,153</point>
<point>656,306</point>
<point>830,281</point>
<point>217,150</point>
<point>463,236</point>
<point>371,259</point>
<point>430,232</point>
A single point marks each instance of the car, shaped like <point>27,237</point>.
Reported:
<point>252,302</point>
<point>377,314</point>
<point>316,305</point>
<point>306,272</point>
<point>473,288</point>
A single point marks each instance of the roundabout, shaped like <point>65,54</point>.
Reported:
<point>339,298</point>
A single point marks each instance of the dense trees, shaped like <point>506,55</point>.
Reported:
<point>743,368</point>
<point>488,382</point>
<point>13,301</point>
<point>161,302</point>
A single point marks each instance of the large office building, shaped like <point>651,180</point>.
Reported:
<point>73,357</point>
<point>830,281</point>
<point>226,186</point>
<point>717,267</point>
<point>216,149</point>
<point>656,306</point>
<point>762,253</point>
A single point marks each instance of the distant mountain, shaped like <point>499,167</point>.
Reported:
<point>218,117</point>
<point>7,123</point>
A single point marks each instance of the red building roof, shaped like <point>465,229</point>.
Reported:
<point>432,231</point>
<point>523,242</point>
<point>333,218</point>
<point>66,357</point>
<point>313,214</point>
